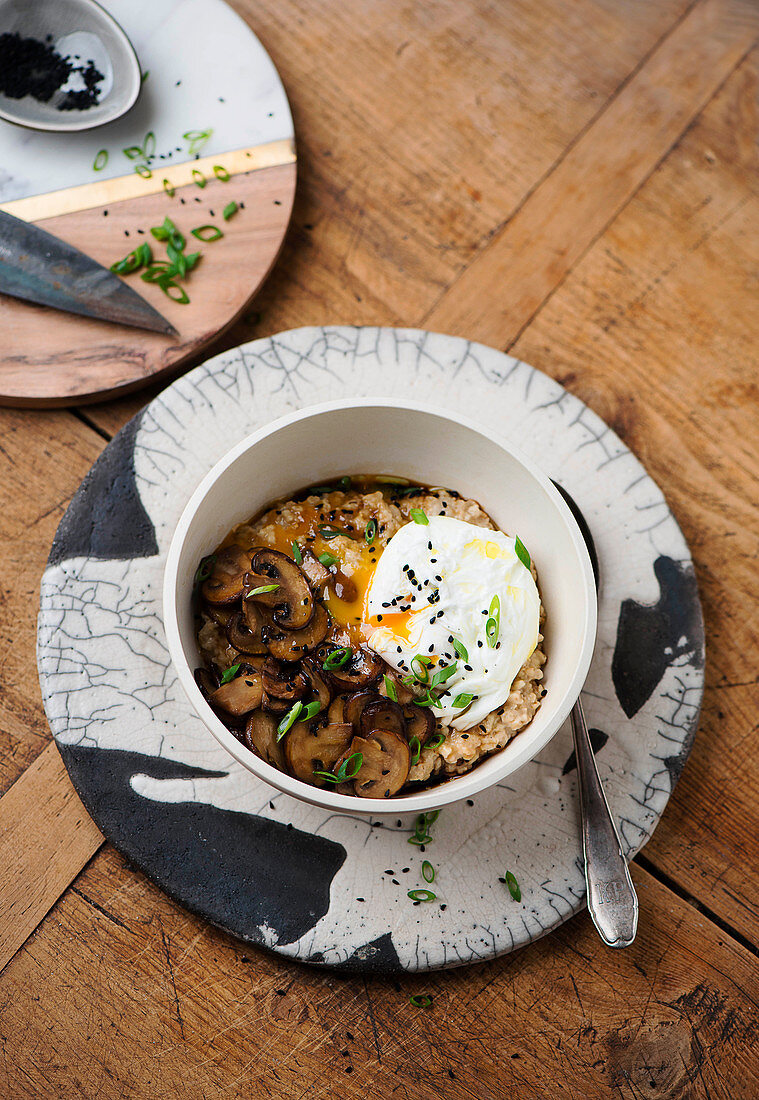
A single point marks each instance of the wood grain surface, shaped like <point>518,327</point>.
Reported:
<point>576,181</point>
<point>50,358</point>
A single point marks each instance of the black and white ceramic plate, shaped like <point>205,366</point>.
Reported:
<point>328,888</point>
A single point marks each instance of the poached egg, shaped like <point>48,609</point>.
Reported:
<point>446,582</point>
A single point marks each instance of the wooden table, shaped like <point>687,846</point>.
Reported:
<point>576,182</point>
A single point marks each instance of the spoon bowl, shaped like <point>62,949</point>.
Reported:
<point>89,39</point>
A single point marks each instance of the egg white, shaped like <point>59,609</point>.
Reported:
<point>436,582</point>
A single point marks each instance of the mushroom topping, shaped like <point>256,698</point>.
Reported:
<point>384,766</point>
<point>383,714</point>
<point>225,584</point>
<point>337,710</point>
<point>318,683</point>
<point>312,749</point>
<point>361,668</point>
<point>206,682</point>
<point>292,600</point>
<point>291,645</point>
<point>220,614</point>
<point>355,704</point>
<point>240,695</point>
<point>420,723</point>
<point>283,685</point>
<point>345,588</point>
<point>243,637</point>
<point>260,736</point>
<point>318,575</point>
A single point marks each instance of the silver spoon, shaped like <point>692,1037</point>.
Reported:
<point>73,27</point>
<point>612,901</point>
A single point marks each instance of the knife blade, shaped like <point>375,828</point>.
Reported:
<point>41,268</point>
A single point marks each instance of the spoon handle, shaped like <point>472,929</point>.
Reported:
<point>612,901</point>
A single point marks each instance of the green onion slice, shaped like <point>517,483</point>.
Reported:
<point>310,711</point>
<point>207,233</point>
<point>415,745</point>
<point>221,173</point>
<point>423,663</point>
<point>261,589</point>
<point>132,151</point>
<point>513,886</point>
<point>493,624</point>
<point>198,178</point>
<point>205,569</point>
<point>390,689</point>
<point>419,840</point>
<point>297,555</point>
<point>328,532</point>
<point>442,675</point>
<point>419,516</point>
<point>144,171</point>
<point>172,290</point>
<point>521,552</point>
<point>169,188</point>
<point>461,649</point>
<point>420,1000</point>
<point>230,673</point>
<point>436,741</point>
<point>289,720</point>
<point>337,658</point>
<point>328,559</point>
<point>196,139</point>
<point>354,762</point>
<point>428,871</point>
<point>100,160</point>
<point>463,700</point>
<point>422,895</point>
<point>229,211</point>
<point>370,531</point>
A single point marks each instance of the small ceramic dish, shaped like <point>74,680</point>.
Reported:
<point>417,442</point>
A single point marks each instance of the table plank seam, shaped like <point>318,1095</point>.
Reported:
<point>671,884</point>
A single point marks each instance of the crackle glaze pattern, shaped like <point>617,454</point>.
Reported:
<point>323,887</point>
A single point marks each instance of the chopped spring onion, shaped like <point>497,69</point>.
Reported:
<point>493,624</point>
<point>423,664</point>
<point>328,559</point>
<point>442,675</point>
<point>337,658</point>
<point>230,673</point>
<point>297,555</point>
<point>310,711</point>
<point>205,568</point>
<point>521,552</point>
<point>390,689</point>
<point>261,589</point>
<point>463,700</point>
<point>100,160</point>
<point>420,1000</point>
<point>196,139</point>
<point>461,649</point>
<point>419,516</point>
<point>513,886</point>
<point>168,188</point>
<point>438,739</point>
<point>221,173</point>
<point>229,211</point>
<point>328,532</point>
<point>144,171</point>
<point>370,531</point>
<point>289,720</point>
<point>352,762</point>
<point>422,895</point>
<point>415,745</point>
<point>198,178</point>
<point>132,151</point>
<point>207,233</point>
<point>428,871</point>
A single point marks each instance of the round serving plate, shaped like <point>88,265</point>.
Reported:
<point>211,105</point>
<point>330,888</point>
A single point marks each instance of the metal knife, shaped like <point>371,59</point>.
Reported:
<point>41,268</point>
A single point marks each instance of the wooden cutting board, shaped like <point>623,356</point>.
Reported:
<point>235,101</point>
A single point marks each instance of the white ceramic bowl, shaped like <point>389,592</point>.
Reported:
<point>406,440</point>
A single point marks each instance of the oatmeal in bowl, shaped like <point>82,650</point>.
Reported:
<point>386,641</point>
<point>373,635</point>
